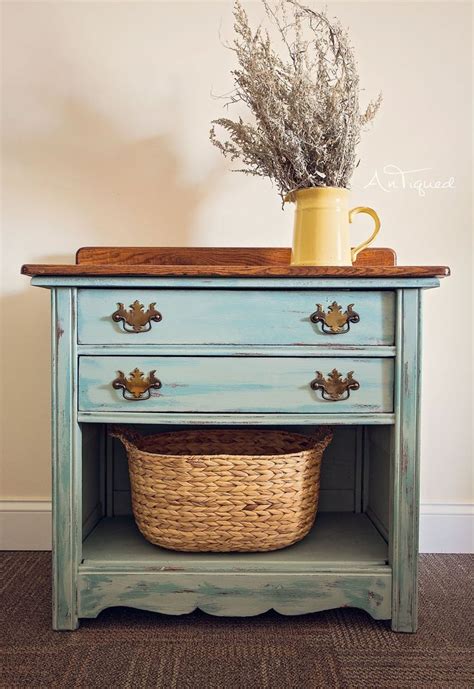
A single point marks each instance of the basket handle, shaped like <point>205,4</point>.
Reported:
<point>128,436</point>
<point>323,438</point>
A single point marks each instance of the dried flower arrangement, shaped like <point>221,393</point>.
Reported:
<point>306,115</point>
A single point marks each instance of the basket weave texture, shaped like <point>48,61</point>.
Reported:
<point>224,490</point>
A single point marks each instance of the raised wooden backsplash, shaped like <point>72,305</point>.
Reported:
<point>224,262</point>
<point>211,256</point>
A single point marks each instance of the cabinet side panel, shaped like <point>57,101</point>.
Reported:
<point>92,504</point>
<point>405,480</point>
<point>379,457</point>
<point>66,443</point>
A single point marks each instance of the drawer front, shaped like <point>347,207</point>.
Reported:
<point>272,317</point>
<point>225,384</point>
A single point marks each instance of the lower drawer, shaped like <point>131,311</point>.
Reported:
<point>316,385</point>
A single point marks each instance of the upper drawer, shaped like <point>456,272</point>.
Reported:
<point>265,317</point>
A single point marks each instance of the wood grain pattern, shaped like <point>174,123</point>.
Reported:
<point>85,270</point>
<point>212,256</point>
<point>223,262</point>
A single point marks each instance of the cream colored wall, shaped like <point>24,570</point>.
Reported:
<point>106,110</point>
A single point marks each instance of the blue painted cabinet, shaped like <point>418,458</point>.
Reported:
<point>238,351</point>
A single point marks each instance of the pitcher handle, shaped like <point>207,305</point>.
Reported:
<point>373,214</point>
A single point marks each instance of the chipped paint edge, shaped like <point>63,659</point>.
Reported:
<point>241,595</point>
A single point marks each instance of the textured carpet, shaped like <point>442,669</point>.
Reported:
<point>125,648</point>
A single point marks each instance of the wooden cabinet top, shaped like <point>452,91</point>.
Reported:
<point>224,262</point>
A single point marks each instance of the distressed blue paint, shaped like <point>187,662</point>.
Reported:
<point>405,487</point>
<point>237,283</point>
<point>339,541</point>
<point>220,384</point>
<point>238,350</point>
<point>67,520</point>
<point>254,372</point>
<point>242,418</point>
<point>240,595</point>
<point>270,317</point>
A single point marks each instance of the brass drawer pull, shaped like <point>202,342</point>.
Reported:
<point>136,320</point>
<point>334,388</point>
<point>335,322</point>
<point>136,386</point>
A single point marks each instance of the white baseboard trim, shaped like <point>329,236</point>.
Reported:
<point>444,528</point>
<point>25,525</point>
<point>447,528</point>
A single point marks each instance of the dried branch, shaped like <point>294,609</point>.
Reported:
<point>306,116</point>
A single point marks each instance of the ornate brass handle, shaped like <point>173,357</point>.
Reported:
<point>136,386</point>
<point>334,388</point>
<point>136,320</point>
<point>335,322</point>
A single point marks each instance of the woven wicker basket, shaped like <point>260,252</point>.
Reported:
<point>224,490</point>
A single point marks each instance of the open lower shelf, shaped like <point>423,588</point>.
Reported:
<point>339,540</point>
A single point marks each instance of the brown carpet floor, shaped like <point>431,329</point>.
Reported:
<point>125,648</point>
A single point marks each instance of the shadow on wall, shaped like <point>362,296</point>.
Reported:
<point>83,178</point>
<point>111,189</point>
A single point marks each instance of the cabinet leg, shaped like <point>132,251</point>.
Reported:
<point>64,613</point>
<point>67,461</point>
<point>404,626</point>
<point>405,486</point>
<point>64,575</point>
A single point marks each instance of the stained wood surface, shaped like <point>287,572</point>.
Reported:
<point>84,270</point>
<point>211,256</point>
<point>223,262</point>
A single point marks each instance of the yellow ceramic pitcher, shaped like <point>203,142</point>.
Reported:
<point>321,232</point>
